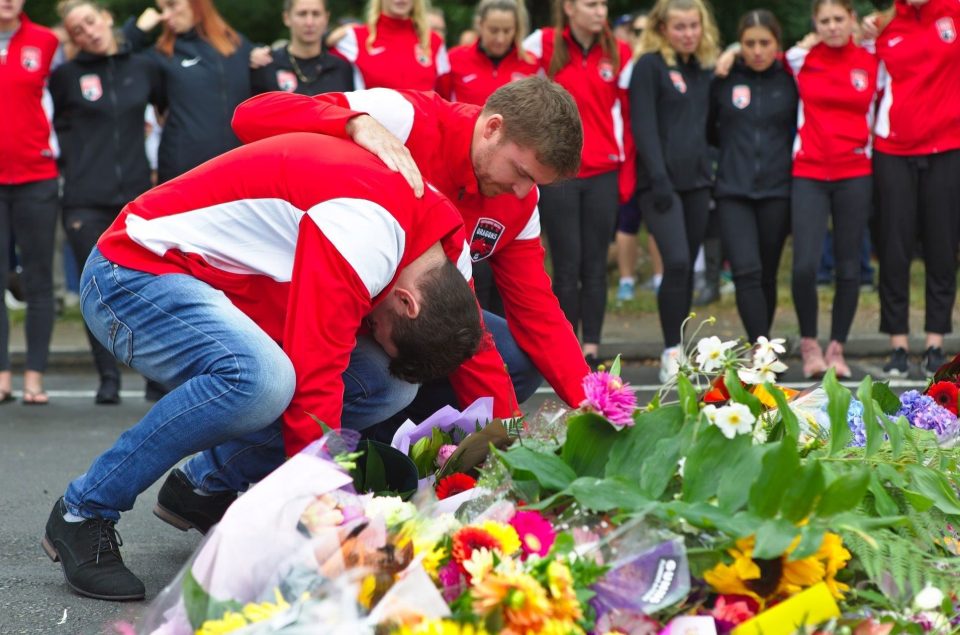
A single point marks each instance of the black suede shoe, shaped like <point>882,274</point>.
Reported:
<point>109,391</point>
<point>89,552</point>
<point>180,506</point>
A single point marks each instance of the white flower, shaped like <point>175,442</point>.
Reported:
<point>711,353</point>
<point>930,599</point>
<point>710,411</point>
<point>734,419</point>
<point>392,509</point>
<point>769,348</point>
<point>763,371</point>
<point>479,564</point>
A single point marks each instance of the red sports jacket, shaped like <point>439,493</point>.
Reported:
<point>502,229</point>
<point>473,76</point>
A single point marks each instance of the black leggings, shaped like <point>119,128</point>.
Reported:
<point>578,217</point>
<point>679,232</point>
<point>918,195</point>
<point>83,226</point>
<point>848,202</point>
<point>29,212</point>
<point>753,233</point>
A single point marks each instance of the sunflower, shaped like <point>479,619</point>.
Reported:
<point>522,601</point>
<point>776,578</point>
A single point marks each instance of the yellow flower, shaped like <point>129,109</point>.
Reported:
<point>522,600</point>
<point>836,557</point>
<point>565,605</point>
<point>505,534</point>
<point>368,586</point>
<point>230,622</point>
<point>265,610</point>
<point>435,626</point>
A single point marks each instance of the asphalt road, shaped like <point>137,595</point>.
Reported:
<point>43,448</point>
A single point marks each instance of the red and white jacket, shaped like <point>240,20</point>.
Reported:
<point>600,91</point>
<point>919,55</point>
<point>304,234</point>
<point>502,229</point>
<point>838,88</point>
<point>473,76</point>
<point>26,154</point>
<point>395,59</point>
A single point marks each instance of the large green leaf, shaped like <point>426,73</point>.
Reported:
<point>789,418</point>
<point>657,471</point>
<point>883,503</point>
<point>707,516</point>
<point>779,469</point>
<point>936,487</point>
<point>590,438</point>
<point>871,423</point>
<point>603,495</point>
<point>688,396</point>
<point>773,537</point>
<point>743,467</point>
<point>548,469</point>
<point>739,394</point>
<point>802,494</point>
<point>637,445</point>
<point>844,493</point>
<point>837,407</point>
<point>888,401</point>
<point>811,537</point>
<point>707,461</point>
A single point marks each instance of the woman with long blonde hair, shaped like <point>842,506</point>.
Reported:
<point>580,53</point>
<point>669,101</point>
<point>394,47</point>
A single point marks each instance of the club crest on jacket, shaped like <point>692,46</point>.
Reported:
<point>485,237</point>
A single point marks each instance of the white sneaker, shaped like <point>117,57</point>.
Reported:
<point>670,363</point>
<point>12,302</point>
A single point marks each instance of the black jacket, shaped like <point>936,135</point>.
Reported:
<point>202,88</point>
<point>98,106</point>
<point>325,73</point>
<point>752,120</point>
<point>668,113</point>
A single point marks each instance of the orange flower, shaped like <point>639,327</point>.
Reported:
<point>522,601</point>
<point>468,539</point>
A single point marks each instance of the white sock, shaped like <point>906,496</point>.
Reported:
<point>626,279</point>
<point>657,279</point>
<point>70,518</point>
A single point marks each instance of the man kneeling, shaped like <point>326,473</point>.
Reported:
<point>242,286</point>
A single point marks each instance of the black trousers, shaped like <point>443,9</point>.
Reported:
<point>848,203</point>
<point>753,233</point>
<point>917,196</point>
<point>28,211</point>
<point>83,226</point>
<point>578,218</point>
<point>679,232</point>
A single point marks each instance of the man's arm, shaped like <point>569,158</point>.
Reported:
<point>534,316</point>
<point>485,375</point>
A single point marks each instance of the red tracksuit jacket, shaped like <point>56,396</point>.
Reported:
<point>25,153</point>
<point>503,229</point>
<point>326,250</point>
<point>837,88</point>
<point>919,62</point>
<point>473,76</point>
<point>395,59</point>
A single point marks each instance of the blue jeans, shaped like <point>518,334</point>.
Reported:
<point>372,396</point>
<point>227,378</point>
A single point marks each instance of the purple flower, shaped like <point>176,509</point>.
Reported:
<point>444,454</point>
<point>609,396</point>
<point>451,580</point>
<point>922,411</point>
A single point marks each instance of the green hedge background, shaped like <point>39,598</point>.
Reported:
<point>260,20</point>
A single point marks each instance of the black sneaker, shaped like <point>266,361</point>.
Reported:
<point>179,505</point>
<point>898,365</point>
<point>109,391</point>
<point>154,391</point>
<point>933,359</point>
<point>89,552</point>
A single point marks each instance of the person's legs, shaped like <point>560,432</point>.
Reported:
<point>227,377</point>
<point>669,229</point>
<point>628,224</point>
<point>370,395</point>
<point>740,236</point>
<point>810,206</point>
<point>6,253</point>
<point>851,202</point>
<point>560,211</point>
<point>773,221</point>
<point>34,215</point>
<point>940,216</point>
<point>598,217</point>
<point>83,227</point>
<point>896,185</point>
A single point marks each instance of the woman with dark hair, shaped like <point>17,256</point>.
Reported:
<point>394,48</point>
<point>751,121</point>
<point>837,82</point>
<point>304,66</point>
<point>28,190</point>
<point>917,164</point>
<point>580,53</point>
<point>99,98</point>
<point>669,100</point>
<point>496,58</point>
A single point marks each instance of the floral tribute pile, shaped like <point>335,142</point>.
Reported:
<point>725,505</point>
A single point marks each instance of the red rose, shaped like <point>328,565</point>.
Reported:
<point>945,394</point>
